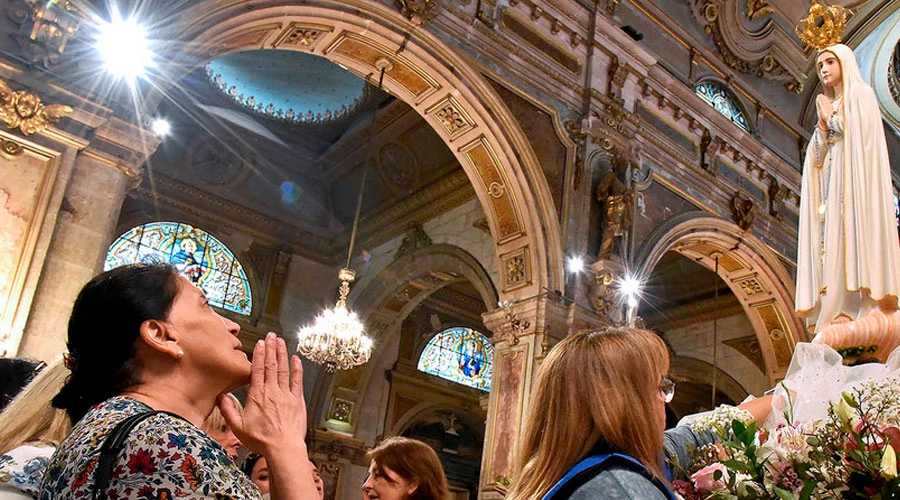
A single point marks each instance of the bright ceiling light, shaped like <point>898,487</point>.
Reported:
<point>160,127</point>
<point>124,46</point>
<point>630,287</point>
<point>575,264</point>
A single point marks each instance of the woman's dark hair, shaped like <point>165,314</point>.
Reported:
<point>15,373</point>
<point>249,463</point>
<point>104,328</point>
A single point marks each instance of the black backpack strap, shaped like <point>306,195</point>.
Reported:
<point>112,446</point>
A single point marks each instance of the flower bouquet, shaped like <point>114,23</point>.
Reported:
<point>849,454</point>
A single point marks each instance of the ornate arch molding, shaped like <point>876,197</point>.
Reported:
<point>422,411</point>
<point>451,95</point>
<point>695,370</point>
<point>385,302</point>
<point>763,286</point>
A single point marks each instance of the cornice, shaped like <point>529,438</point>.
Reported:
<point>698,311</point>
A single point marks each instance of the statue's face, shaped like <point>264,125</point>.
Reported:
<point>828,67</point>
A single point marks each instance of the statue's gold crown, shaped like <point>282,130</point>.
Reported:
<point>824,25</point>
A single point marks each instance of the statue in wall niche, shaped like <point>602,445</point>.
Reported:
<point>848,257</point>
<point>617,200</point>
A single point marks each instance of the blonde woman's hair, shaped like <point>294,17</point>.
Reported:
<point>30,416</point>
<point>598,388</point>
<point>215,422</point>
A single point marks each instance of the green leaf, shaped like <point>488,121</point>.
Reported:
<point>807,490</point>
<point>736,465</point>
<point>739,428</point>
<point>850,400</point>
<point>784,494</point>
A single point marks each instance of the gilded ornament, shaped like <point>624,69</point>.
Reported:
<point>757,8</point>
<point>10,148</point>
<point>418,12</point>
<point>24,110</point>
<point>823,26</point>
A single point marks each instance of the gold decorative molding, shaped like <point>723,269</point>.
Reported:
<point>45,28</point>
<point>750,286</point>
<point>10,149</point>
<point>482,158</point>
<point>25,111</point>
<point>516,269</point>
<point>776,325</point>
<point>370,53</point>
<point>418,12</point>
<point>758,8</point>
<point>303,36</point>
<point>252,36</point>
<point>452,117</point>
<point>742,49</point>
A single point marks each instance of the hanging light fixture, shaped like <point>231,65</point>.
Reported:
<point>336,339</point>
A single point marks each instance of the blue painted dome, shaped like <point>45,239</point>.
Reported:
<point>287,85</point>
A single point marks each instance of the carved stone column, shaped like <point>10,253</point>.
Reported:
<point>523,333</point>
<point>84,227</point>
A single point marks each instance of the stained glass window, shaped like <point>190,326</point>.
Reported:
<point>717,96</point>
<point>196,254</point>
<point>461,355</point>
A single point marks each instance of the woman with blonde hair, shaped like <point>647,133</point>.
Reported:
<point>217,428</point>
<point>30,430</point>
<point>405,469</point>
<point>598,418</point>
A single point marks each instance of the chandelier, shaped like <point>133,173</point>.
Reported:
<point>337,339</point>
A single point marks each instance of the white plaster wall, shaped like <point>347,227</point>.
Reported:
<point>453,227</point>
<point>696,341</point>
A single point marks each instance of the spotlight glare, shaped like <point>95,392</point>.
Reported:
<point>632,301</point>
<point>575,264</point>
<point>630,287</point>
<point>160,127</point>
<point>124,47</point>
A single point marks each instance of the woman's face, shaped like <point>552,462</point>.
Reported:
<point>211,348</point>
<point>260,475</point>
<point>829,68</point>
<point>385,484</point>
<point>225,437</point>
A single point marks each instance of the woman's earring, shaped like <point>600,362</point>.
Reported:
<point>179,354</point>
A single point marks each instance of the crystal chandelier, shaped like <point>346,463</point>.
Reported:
<point>337,340</point>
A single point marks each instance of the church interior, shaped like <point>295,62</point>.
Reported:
<point>497,173</point>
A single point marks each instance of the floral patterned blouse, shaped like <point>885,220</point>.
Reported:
<point>165,457</point>
<point>22,468</point>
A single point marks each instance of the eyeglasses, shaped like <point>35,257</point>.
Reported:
<point>667,388</point>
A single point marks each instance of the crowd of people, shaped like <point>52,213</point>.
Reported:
<point>141,407</point>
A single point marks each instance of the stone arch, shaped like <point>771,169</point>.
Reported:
<point>751,270</point>
<point>433,79</point>
<point>384,303</point>
<point>696,370</point>
<point>422,410</point>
